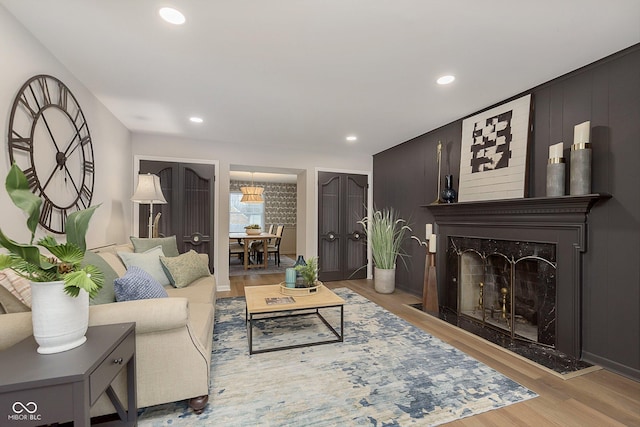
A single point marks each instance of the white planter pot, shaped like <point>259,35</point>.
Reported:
<point>384,280</point>
<point>60,321</point>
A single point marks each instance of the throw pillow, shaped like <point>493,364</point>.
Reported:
<point>9,303</point>
<point>185,268</point>
<point>149,261</point>
<point>169,244</point>
<point>137,284</point>
<point>106,294</point>
<point>17,285</point>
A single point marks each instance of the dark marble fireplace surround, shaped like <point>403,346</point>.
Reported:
<point>556,226</point>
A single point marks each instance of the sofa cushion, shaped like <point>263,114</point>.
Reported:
<point>185,268</point>
<point>202,290</point>
<point>106,294</point>
<point>149,261</point>
<point>9,303</point>
<point>137,284</point>
<point>169,244</point>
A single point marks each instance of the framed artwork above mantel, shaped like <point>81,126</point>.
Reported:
<point>494,152</point>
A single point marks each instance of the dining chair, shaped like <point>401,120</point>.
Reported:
<point>274,247</point>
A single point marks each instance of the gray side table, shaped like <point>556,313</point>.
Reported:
<point>38,389</point>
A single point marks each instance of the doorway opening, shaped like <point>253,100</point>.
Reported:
<point>279,210</point>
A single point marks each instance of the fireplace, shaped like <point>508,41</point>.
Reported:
<point>511,272</point>
<point>508,286</point>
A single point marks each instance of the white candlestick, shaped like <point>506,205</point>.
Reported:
<point>432,244</point>
<point>581,132</point>
<point>555,151</point>
<point>428,230</point>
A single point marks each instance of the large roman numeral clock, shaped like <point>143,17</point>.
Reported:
<point>49,140</point>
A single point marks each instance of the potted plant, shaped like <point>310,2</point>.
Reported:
<point>59,276</point>
<point>253,229</point>
<point>385,232</point>
<point>308,272</point>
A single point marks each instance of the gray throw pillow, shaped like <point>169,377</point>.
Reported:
<point>137,284</point>
<point>149,261</point>
<point>9,303</point>
<point>169,244</point>
<point>106,294</point>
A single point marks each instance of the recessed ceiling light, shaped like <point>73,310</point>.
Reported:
<point>445,80</point>
<point>352,138</point>
<point>196,119</point>
<point>172,15</point>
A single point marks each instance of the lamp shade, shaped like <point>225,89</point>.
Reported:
<point>148,190</point>
<point>252,194</point>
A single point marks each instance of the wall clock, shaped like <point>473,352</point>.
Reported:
<point>49,140</point>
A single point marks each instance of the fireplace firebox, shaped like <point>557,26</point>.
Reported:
<point>507,286</point>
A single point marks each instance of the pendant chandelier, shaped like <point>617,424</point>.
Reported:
<point>252,194</point>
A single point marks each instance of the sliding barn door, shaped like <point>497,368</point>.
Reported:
<point>188,214</point>
<point>342,201</point>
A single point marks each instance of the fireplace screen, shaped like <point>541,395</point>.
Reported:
<point>508,286</point>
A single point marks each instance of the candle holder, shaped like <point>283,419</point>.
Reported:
<point>580,174</point>
<point>580,181</point>
<point>430,284</point>
<point>555,177</point>
<point>439,161</point>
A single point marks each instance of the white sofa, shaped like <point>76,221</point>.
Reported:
<point>173,339</point>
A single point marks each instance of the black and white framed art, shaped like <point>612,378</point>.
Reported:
<point>493,158</point>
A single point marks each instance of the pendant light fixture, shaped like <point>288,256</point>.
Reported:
<point>252,194</point>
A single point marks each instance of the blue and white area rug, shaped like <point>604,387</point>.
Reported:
<point>386,372</point>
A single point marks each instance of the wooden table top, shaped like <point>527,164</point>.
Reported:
<point>256,299</point>
<point>251,236</point>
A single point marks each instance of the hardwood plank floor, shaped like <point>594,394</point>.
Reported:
<point>598,398</point>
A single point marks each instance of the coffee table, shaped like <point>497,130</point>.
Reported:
<point>306,305</point>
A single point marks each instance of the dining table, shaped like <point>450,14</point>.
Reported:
<point>246,241</point>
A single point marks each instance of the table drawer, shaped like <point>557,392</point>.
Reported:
<point>100,379</point>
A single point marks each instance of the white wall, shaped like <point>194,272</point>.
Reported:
<point>23,57</point>
<point>147,146</point>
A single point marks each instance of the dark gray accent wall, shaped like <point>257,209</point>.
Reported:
<point>608,94</point>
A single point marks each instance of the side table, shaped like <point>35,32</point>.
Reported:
<point>38,389</point>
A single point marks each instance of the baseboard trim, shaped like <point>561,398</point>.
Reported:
<point>611,365</point>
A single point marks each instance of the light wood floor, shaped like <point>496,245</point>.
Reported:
<point>599,398</point>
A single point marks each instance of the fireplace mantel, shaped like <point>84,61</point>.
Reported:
<point>561,221</point>
<point>563,209</point>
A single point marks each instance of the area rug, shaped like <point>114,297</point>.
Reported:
<point>236,268</point>
<point>386,372</point>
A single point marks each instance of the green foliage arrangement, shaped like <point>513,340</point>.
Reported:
<point>253,227</point>
<point>65,264</point>
<point>309,272</point>
<point>385,232</point>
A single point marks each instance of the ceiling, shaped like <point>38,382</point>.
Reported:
<point>307,73</point>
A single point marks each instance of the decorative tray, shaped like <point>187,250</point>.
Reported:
<point>300,292</point>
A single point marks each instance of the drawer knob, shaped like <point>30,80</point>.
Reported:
<point>118,361</point>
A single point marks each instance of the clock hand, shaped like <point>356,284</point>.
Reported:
<point>44,187</point>
<point>44,119</point>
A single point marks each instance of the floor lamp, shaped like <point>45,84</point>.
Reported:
<point>149,192</point>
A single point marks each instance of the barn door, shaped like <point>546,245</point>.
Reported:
<point>342,201</point>
<point>188,214</point>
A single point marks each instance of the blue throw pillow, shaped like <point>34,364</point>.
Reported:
<point>137,284</point>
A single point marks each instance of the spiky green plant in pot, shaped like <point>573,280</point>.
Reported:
<point>385,232</point>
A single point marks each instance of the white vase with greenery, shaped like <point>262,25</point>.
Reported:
<point>61,286</point>
<point>385,233</point>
